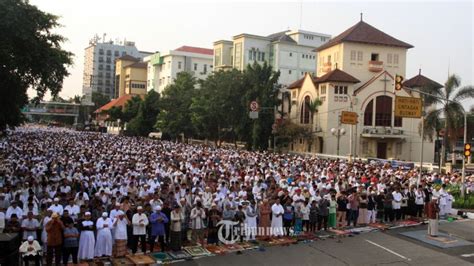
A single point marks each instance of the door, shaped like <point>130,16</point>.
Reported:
<point>382,150</point>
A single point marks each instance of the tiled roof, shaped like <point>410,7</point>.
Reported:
<point>336,75</point>
<point>365,33</point>
<point>121,101</point>
<point>128,57</point>
<point>420,81</point>
<point>297,84</point>
<point>138,65</point>
<point>281,36</point>
<point>197,50</point>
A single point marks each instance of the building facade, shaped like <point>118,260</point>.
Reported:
<point>356,72</point>
<point>163,68</point>
<point>290,52</point>
<point>99,64</point>
<point>130,76</point>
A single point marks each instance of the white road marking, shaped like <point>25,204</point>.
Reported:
<point>389,250</point>
<point>467,255</point>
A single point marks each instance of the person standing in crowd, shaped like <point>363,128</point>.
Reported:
<point>298,227</point>
<point>139,222</point>
<point>313,216</point>
<point>71,243</point>
<point>277,219</point>
<point>251,220</point>
<point>29,226</point>
<point>419,201</point>
<point>120,224</point>
<point>30,251</point>
<point>103,245</point>
<point>323,212</point>
<point>288,217</point>
<point>354,201</point>
<point>157,220</point>
<point>55,239</point>
<point>197,224</point>
<point>177,218</point>
<point>341,209</point>
<point>305,211</point>
<point>332,211</point>
<point>397,198</point>
<point>432,214</point>
<point>371,207</point>
<point>87,239</point>
<point>2,221</point>
<point>14,209</point>
<point>388,207</point>
<point>363,211</point>
<point>264,212</point>
<point>214,218</point>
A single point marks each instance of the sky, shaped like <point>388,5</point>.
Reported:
<point>441,31</point>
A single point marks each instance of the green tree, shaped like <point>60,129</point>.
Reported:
<point>313,107</point>
<point>261,84</point>
<point>115,113</point>
<point>30,57</point>
<point>99,100</point>
<point>449,100</point>
<point>142,124</point>
<point>216,107</point>
<point>131,108</point>
<point>175,115</point>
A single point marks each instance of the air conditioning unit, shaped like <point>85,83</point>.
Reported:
<point>373,131</point>
<point>366,131</point>
<point>388,131</point>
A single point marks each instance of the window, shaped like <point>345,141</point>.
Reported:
<point>383,111</point>
<point>195,66</point>
<point>305,113</point>
<point>369,113</point>
<point>395,59</point>
<point>263,56</point>
<point>340,89</point>
<point>169,64</point>
<point>205,69</point>
<point>302,56</point>
<point>101,59</point>
<point>398,121</point>
<point>179,65</point>
<point>250,55</point>
<point>109,60</point>
<point>323,89</point>
<point>329,59</point>
<point>389,58</point>
<point>323,39</point>
<point>107,67</point>
<point>109,52</point>
<point>360,56</point>
<point>101,51</point>
<point>116,53</point>
<point>101,74</point>
<point>238,55</point>
<point>124,53</point>
<point>101,67</point>
<point>353,55</point>
<point>289,71</point>
<point>322,98</point>
<point>374,57</point>
<point>107,75</point>
<point>291,54</point>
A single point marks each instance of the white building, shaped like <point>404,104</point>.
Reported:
<point>163,68</point>
<point>99,64</point>
<point>290,52</point>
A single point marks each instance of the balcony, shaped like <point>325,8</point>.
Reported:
<point>327,67</point>
<point>375,66</point>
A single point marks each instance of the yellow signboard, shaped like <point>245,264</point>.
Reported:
<point>407,107</point>
<point>348,118</point>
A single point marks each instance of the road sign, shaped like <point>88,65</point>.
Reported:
<point>407,107</point>
<point>254,106</point>
<point>349,118</point>
<point>253,115</point>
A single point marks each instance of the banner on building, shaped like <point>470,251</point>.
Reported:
<point>393,163</point>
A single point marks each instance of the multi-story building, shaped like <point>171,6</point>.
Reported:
<point>99,64</point>
<point>130,76</point>
<point>162,68</point>
<point>356,72</point>
<point>290,52</point>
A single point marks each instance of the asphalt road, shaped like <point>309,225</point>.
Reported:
<point>374,248</point>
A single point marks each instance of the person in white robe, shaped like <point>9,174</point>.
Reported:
<point>120,234</point>
<point>277,218</point>
<point>87,240</point>
<point>250,221</point>
<point>103,245</point>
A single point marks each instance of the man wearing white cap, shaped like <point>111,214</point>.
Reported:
<point>120,223</point>
<point>56,207</point>
<point>87,240</point>
<point>103,245</point>
<point>277,218</point>
<point>432,214</point>
<point>30,251</point>
<point>158,220</point>
<point>139,222</point>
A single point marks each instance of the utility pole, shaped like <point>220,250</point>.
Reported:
<point>422,139</point>
<point>463,176</point>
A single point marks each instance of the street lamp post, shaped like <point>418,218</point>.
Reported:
<point>338,132</point>
<point>463,176</point>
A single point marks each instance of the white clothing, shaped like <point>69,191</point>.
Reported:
<point>18,211</point>
<point>57,208</point>
<point>103,245</point>
<point>86,245</point>
<point>120,228</point>
<point>73,211</point>
<point>24,248</point>
<point>139,222</point>
<point>397,200</point>
<point>277,221</point>
<point>197,218</point>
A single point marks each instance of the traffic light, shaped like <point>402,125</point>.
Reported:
<point>398,82</point>
<point>467,149</point>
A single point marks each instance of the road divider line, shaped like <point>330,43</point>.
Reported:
<point>467,255</point>
<point>387,249</point>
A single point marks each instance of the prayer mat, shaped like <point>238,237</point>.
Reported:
<point>282,241</point>
<point>179,255</point>
<point>218,250</point>
<point>233,247</point>
<point>364,229</point>
<point>380,226</point>
<point>161,257</point>
<point>248,245</point>
<point>197,251</point>
<point>339,232</point>
<point>442,240</point>
<point>141,259</point>
<point>121,262</point>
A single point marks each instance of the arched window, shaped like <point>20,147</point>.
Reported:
<point>383,111</point>
<point>305,113</point>
<point>369,113</point>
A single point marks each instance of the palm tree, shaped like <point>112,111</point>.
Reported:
<point>448,99</point>
<point>313,107</point>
